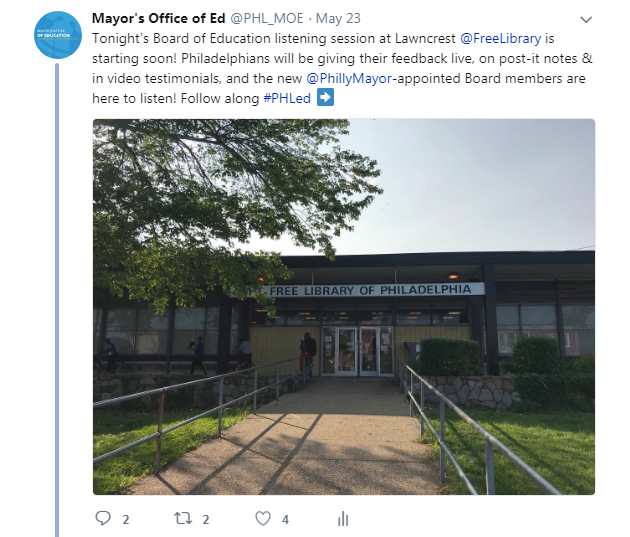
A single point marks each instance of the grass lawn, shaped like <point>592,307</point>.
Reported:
<point>559,446</point>
<point>114,430</point>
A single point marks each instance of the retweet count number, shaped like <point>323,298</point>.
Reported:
<point>206,520</point>
<point>126,519</point>
<point>286,519</point>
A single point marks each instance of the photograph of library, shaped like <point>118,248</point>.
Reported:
<point>363,311</point>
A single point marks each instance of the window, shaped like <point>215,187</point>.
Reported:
<point>97,315</point>
<point>506,341</point>
<point>121,329</point>
<point>152,332</point>
<point>420,316</point>
<point>137,331</point>
<point>539,321</point>
<point>190,323</point>
<point>515,321</point>
<point>450,315</point>
<point>508,328</point>
<point>302,316</point>
<point>340,315</point>
<point>432,315</point>
<point>579,329</point>
<point>375,315</point>
<point>234,329</point>
<point>260,317</point>
<point>211,329</point>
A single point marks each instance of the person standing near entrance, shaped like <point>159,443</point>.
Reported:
<point>197,356</point>
<point>113,356</point>
<point>308,349</point>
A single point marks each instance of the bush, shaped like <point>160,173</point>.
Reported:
<point>448,357</point>
<point>568,391</point>
<point>536,354</point>
<point>585,364</point>
<point>506,365</point>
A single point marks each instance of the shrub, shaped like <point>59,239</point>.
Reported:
<point>506,365</point>
<point>569,391</point>
<point>536,354</point>
<point>448,357</point>
<point>585,364</point>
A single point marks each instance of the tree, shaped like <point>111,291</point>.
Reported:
<point>172,198</point>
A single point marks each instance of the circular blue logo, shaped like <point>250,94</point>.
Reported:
<point>58,35</point>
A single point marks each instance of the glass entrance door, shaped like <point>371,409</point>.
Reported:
<point>368,352</point>
<point>386,351</point>
<point>347,352</point>
<point>329,350</point>
<point>364,351</point>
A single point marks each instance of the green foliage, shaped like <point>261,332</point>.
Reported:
<point>506,365</point>
<point>584,364</point>
<point>440,356</point>
<point>559,446</point>
<point>536,354</point>
<point>568,391</point>
<point>114,430</point>
<point>183,398</point>
<point>126,383</point>
<point>173,198</point>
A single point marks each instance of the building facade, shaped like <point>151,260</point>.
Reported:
<point>363,311</point>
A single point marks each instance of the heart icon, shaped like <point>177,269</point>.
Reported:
<point>263,517</point>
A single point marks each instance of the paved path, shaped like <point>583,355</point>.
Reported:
<point>338,436</point>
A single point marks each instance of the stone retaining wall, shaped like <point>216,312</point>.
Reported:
<point>489,392</point>
<point>108,386</point>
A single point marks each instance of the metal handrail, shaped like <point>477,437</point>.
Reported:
<point>491,442</point>
<point>302,376</point>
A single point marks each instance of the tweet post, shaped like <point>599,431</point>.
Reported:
<point>341,266</point>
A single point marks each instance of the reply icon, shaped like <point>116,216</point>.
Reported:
<point>103,517</point>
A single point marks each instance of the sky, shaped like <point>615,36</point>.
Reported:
<point>471,185</point>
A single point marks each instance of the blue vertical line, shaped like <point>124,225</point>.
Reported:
<point>56,300</point>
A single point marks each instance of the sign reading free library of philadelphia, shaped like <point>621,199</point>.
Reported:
<point>407,289</point>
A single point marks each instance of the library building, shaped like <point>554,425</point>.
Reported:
<point>363,311</point>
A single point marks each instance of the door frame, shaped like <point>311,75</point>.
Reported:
<point>377,371</point>
<point>393,346</point>
<point>355,372</point>
<point>358,371</point>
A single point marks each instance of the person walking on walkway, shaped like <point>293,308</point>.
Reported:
<point>197,356</point>
<point>112,356</point>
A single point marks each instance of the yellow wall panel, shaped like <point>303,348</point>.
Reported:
<point>271,344</point>
<point>415,334</point>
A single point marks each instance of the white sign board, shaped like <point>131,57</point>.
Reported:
<point>375,290</point>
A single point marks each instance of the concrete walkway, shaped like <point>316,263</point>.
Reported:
<point>338,436</point>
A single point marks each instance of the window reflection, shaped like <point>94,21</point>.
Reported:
<point>579,329</point>
<point>190,323</point>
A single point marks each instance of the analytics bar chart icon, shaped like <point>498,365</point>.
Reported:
<point>342,520</point>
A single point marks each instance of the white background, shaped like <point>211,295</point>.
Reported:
<point>27,212</point>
